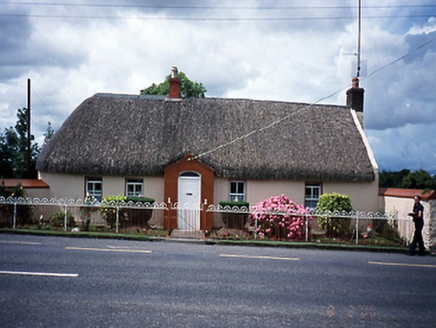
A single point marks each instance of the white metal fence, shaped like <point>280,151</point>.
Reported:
<point>206,221</point>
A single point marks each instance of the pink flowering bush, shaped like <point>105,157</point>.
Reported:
<point>279,217</point>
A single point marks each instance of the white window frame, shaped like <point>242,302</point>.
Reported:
<point>237,196</point>
<point>91,191</point>
<point>310,199</point>
<point>135,183</point>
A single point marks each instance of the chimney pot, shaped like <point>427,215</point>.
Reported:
<point>355,82</point>
<point>174,72</point>
<point>174,83</point>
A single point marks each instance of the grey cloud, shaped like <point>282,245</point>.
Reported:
<point>19,52</point>
<point>411,147</point>
<point>14,36</point>
<point>419,45</point>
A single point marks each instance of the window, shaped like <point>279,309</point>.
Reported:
<point>313,191</point>
<point>134,188</point>
<point>94,188</point>
<point>237,191</point>
<point>189,174</point>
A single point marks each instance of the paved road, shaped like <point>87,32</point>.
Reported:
<point>72,282</point>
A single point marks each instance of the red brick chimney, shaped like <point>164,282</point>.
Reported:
<point>355,96</point>
<point>355,99</point>
<point>174,83</point>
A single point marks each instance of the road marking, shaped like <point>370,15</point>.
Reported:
<point>119,247</point>
<point>405,264</point>
<point>19,242</point>
<point>261,257</point>
<point>110,250</point>
<point>44,274</point>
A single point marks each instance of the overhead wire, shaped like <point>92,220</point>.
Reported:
<point>209,19</point>
<point>194,8</point>
<point>46,109</point>
<point>233,19</point>
<point>223,7</point>
<point>307,106</point>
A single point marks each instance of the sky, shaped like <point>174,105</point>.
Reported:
<point>296,51</point>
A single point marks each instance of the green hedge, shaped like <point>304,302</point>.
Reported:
<point>234,220</point>
<point>238,204</point>
<point>139,200</point>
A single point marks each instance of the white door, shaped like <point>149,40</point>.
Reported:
<point>188,214</point>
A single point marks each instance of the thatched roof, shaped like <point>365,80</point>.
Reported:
<point>139,135</point>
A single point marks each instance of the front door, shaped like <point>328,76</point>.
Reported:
<point>189,193</point>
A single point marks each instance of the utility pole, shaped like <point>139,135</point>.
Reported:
<point>28,130</point>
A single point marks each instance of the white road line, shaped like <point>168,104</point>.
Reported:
<point>110,250</point>
<point>119,247</point>
<point>404,264</point>
<point>19,242</point>
<point>261,257</point>
<point>44,274</point>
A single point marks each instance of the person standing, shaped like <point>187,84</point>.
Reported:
<point>418,218</point>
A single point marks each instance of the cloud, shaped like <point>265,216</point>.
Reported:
<point>412,147</point>
<point>132,45</point>
<point>14,36</point>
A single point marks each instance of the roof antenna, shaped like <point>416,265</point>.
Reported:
<point>359,39</point>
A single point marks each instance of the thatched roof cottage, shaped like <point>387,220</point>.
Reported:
<point>212,149</point>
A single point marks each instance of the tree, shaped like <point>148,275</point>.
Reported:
<point>389,179</point>
<point>419,180</point>
<point>187,88</point>
<point>13,150</point>
<point>48,134</point>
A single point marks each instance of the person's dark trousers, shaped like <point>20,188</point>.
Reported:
<point>417,239</point>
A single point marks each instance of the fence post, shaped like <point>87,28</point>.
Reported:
<point>357,227</point>
<point>15,213</point>
<point>118,219</point>
<point>203,220</point>
<point>65,218</point>
<point>255,227</point>
<point>307,228</point>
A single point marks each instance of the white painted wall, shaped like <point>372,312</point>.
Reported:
<point>402,206</point>
<point>68,186</point>
<point>258,190</point>
<point>38,193</point>
<point>364,196</point>
<point>65,186</point>
<point>221,190</point>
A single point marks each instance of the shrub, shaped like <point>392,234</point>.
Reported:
<point>143,200</point>
<point>108,209</point>
<point>384,228</point>
<point>279,217</point>
<point>86,210</point>
<point>236,218</point>
<point>58,219</point>
<point>139,216</point>
<point>331,203</point>
<point>24,212</point>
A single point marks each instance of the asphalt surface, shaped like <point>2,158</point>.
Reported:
<point>73,282</point>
